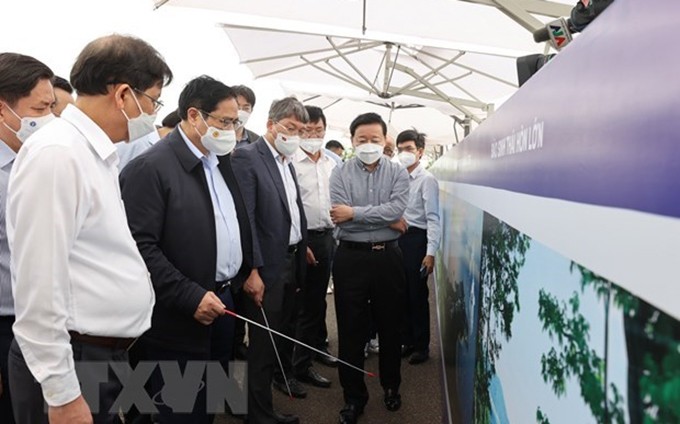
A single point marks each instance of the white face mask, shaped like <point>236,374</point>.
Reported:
<point>220,142</point>
<point>29,124</point>
<point>407,158</point>
<point>243,116</point>
<point>311,145</point>
<point>142,125</point>
<point>287,144</point>
<point>369,153</point>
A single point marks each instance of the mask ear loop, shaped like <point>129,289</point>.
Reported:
<point>17,116</point>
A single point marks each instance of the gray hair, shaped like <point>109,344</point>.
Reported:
<point>287,107</point>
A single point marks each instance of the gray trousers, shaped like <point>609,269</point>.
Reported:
<point>27,398</point>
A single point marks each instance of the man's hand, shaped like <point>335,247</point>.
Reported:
<point>210,308</point>
<point>311,259</point>
<point>254,287</point>
<point>341,213</point>
<point>400,225</point>
<point>74,412</point>
<point>428,262</point>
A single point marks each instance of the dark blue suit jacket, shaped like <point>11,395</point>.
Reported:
<point>265,198</point>
<point>171,217</point>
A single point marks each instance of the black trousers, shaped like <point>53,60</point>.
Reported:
<point>312,317</point>
<point>6,337</point>
<point>27,398</point>
<point>262,361</point>
<point>416,323</point>
<point>361,276</point>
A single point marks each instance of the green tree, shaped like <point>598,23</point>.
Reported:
<point>503,251</point>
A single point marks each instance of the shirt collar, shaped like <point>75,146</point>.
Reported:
<point>7,155</point>
<point>275,153</point>
<point>416,172</point>
<point>95,136</point>
<point>361,165</point>
<point>301,156</point>
<point>210,159</point>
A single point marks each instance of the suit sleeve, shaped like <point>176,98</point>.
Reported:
<point>145,205</point>
<point>244,167</point>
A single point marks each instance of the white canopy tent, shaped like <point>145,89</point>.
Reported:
<point>454,56</point>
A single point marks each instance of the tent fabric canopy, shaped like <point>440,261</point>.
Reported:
<point>457,57</point>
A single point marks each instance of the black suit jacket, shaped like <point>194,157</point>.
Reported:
<point>172,220</point>
<point>265,198</point>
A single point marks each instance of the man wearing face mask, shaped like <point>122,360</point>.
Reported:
<point>188,217</point>
<point>368,193</point>
<point>25,106</point>
<point>272,196</point>
<point>419,243</point>
<point>81,289</point>
<point>143,134</point>
<point>314,169</point>
<point>246,103</point>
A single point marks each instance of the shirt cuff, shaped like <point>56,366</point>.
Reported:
<point>58,390</point>
<point>431,251</point>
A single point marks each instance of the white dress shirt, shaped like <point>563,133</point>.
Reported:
<point>423,206</point>
<point>7,157</point>
<point>291,195</point>
<point>314,180</point>
<point>75,265</point>
<point>227,232</point>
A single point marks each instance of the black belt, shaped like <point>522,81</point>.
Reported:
<point>415,230</point>
<point>369,246</point>
<point>320,232</point>
<point>122,343</point>
<point>292,248</point>
<point>221,286</point>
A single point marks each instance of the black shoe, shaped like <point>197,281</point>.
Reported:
<point>314,378</point>
<point>296,389</point>
<point>349,414</point>
<point>418,357</point>
<point>406,351</point>
<point>286,418</point>
<point>392,399</point>
<point>327,361</point>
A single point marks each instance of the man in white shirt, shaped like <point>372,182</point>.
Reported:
<point>26,100</point>
<point>418,244</point>
<point>81,289</point>
<point>313,168</point>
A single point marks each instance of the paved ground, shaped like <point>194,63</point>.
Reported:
<point>420,390</point>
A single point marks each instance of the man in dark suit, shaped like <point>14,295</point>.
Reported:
<point>187,215</point>
<point>274,205</point>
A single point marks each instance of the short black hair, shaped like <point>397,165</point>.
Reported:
<point>335,144</point>
<point>171,120</point>
<point>315,114</point>
<point>367,119</point>
<point>59,82</point>
<point>204,93</point>
<point>116,59</point>
<point>246,92</point>
<point>19,74</point>
<point>412,135</point>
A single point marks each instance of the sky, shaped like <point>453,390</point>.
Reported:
<point>55,31</point>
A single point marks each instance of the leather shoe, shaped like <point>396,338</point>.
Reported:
<point>327,361</point>
<point>392,399</point>
<point>314,378</point>
<point>418,357</point>
<point>296,389</point>
<point>286,418</point>
<point>406,350</point>
<point>349,414</point>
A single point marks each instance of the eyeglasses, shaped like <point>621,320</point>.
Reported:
<point>226,122</point>
<point>315,132</point>
<point>292,131</point>
<point>157,104</point>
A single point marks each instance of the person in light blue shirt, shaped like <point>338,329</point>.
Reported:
<point>418,244</point>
